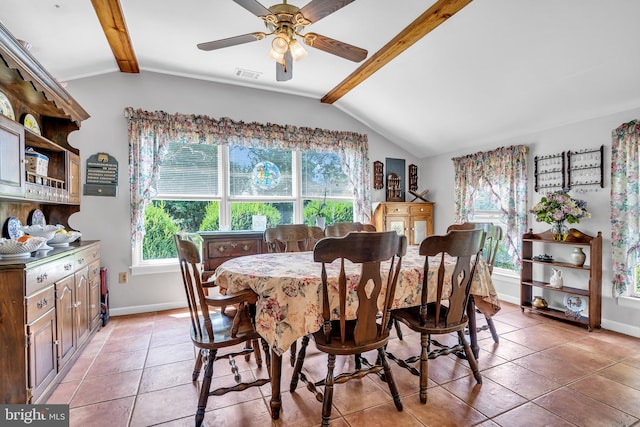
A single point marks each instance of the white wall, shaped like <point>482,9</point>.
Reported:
<point>437,174</point>
<point>107,218</point>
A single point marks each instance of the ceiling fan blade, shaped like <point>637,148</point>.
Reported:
<point>231,41</point>
<point>335,47</point>
<point>254,7</point>
<point>315,10</point>
<point>285,72</point>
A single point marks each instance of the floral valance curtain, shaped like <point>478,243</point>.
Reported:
<point>501,173</point>
<point>150,132</point>
<point>625,203</point>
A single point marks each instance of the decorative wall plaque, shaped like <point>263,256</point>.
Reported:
<point>378,175</point>
<point>102,176</point>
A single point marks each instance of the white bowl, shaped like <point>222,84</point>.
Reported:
<point>10,248</point>
<point>63,239</point>
<point>46,231</point>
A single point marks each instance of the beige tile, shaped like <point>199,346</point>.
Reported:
<point>108,387</point>
<point>105,414</point>
<point>112,363</point>
<point>582,410</point>
<point>526,383</point>
<point>610,392</point>
<point>382,416</point>
<point>530,415</point>
<point>442,409</point>
<point>489,398</point>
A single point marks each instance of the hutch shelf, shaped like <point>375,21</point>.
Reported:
<point>585,283</point>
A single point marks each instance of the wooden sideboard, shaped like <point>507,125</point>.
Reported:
<point>219,246</point>
<point>413,219</point>
<point>49,307</point>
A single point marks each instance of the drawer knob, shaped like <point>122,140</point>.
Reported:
<point>81,260</point>
<point>234,244</point>
<point>68,267</point>
<point>221,249</point>
<point>246,248</point>
<point>41,278</point>
<point>42,303</point>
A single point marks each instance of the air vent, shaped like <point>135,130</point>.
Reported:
<point>247,74</point>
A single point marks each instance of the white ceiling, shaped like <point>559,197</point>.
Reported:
<point>497,69</point>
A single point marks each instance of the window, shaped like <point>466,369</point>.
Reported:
<point>491,186</point>
<point>193,172</point>
<point>262,183</point>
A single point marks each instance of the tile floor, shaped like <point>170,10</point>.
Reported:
<point>137,372</point>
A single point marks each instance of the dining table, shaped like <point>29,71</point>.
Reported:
<point>289,290</point>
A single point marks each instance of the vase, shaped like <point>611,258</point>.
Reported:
<point>321,221</point>
<point>578,257</point>
<point>559,231</point>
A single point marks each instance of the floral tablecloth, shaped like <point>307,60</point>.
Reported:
<point>289,289</point>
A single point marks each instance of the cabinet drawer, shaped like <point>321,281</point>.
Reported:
<point>420,210</point>
<point>39,303</point>
<point>232,248</point>
<point>39,277</point>
<point>396,209</point>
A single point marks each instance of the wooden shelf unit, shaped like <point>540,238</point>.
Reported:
<point>529,279</point>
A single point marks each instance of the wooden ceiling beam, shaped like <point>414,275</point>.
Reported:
<point>423,25</point>
<point>115,29</point>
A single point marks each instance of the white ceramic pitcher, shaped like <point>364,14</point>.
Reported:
<point>556,278</point>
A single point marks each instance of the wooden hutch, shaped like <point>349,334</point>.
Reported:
<point>49,301</point>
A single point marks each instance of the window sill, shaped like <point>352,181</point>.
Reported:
<point>628,301</point>
<point>168,267</point>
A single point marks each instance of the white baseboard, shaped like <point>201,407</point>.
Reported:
<point>622,328</point>
<point>137,309</point>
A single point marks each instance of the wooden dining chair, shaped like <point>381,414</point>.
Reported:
<point>217,322</point>
<point>291,237</point>
<point>448,312</point>
<point>340,229</point>
<point>493,236</point>
<point>342,336</point>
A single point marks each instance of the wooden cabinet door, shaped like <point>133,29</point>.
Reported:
<point>41,364</point>
<point>82,304</point>
<point>73,177</point>
<point>399,224</point>
<point>94,293</point>
<point>12,167</point>
<point>65,319</point>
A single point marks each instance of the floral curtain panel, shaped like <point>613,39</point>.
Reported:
<point>150,132</point>
<point>502,173</point>
<point>625,203</point>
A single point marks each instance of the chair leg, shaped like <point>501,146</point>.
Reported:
<point>298,365</point>
<point>198,366</point>
<point>473,363</point>
<point>205,387</point>
<point>492,329</point>
<point>393,388</point>
<point>267,354</point>
<point>396,324</point>
<point>328,391</point>
<point>293,353</point>
<point>256,352</point>
<point>425,344</point>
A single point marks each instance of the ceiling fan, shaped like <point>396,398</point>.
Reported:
<point>286,21</point>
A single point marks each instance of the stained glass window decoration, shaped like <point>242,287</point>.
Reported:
<point>266,175</point>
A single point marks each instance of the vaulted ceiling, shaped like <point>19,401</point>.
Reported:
<point>494,70</point>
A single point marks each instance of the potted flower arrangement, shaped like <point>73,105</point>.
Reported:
<point>320,212</point>
<point>556,209</point>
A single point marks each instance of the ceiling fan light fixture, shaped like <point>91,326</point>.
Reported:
<point>280,43</point>
<point>278,57</point>
<point>297,51</point>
